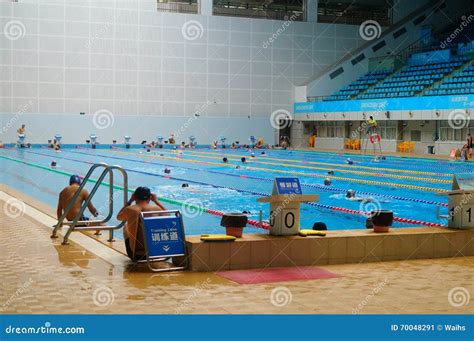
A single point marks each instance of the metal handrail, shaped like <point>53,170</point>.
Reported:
<point>73,224</point>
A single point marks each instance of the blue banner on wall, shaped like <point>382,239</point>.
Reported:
<point>401,103</point>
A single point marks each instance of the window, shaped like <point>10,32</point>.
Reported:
<point>353,13</point>
<point>448,133</point>
<point>419,20</point>
<point>274,10</point>
<point>336,73</point>
<point>378,46</point>
<point>358,59</point>
<point>415,135</point>
<point>330,129</point>
<point>178,6</point>
<point>388,130</point>
<point>400,32</point>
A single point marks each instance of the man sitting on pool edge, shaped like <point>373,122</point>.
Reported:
<point>65,198</point>
<point>133,230</point>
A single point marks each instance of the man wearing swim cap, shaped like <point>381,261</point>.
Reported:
<point>133,230</point>
<point>66,196</point>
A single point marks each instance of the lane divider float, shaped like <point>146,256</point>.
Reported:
<point>317,205</point>
<point>252,222</point>
<point>373,182</point>
<point>327,164</point>
<point>250,177</point>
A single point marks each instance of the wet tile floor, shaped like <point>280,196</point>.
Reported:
<point>39,275</point>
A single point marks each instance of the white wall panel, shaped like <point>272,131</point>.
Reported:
<point>125,57</point>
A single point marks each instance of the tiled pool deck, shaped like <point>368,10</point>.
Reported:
<point>39,275</point>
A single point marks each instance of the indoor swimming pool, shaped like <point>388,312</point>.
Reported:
<point>410,187</point>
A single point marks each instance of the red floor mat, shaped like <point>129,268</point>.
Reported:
<point>256,276</point>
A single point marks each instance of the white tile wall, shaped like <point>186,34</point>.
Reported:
<point>80,55</point>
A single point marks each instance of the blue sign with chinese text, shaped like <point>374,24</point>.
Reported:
<point>288,186</point>
<point>164,236</point>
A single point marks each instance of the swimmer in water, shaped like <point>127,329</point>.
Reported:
<point>152,145</point>
<point>351,195</point>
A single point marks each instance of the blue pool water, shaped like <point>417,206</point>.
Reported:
<point>408,186</point>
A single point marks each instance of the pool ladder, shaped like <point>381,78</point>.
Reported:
<point>101,224</point>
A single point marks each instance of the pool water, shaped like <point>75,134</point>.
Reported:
<point>407,186</point>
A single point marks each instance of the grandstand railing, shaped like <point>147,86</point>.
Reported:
<point>261,11</point>
<point>316,98</point>
<point>344,13</point>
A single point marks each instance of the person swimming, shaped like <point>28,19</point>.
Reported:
<point>351,195</point>
<point>152,145</point>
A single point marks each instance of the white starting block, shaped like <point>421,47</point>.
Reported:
<point>285,204</point>
<point>461,202</point>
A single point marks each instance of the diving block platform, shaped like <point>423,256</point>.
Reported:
<point>285,203</point>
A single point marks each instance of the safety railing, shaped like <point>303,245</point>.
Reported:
<point>316,98</point>
<point>95,225</point>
